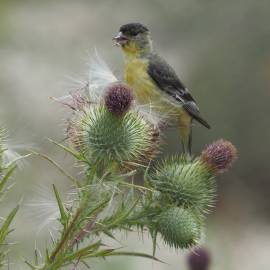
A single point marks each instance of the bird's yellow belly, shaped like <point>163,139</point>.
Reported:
<point>146,92</point>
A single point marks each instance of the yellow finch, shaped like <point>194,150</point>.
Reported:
<point>154,80</point>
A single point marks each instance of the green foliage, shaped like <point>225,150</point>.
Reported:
<point>179,227</point>
<point>102,207</point>
<point>6,171</point>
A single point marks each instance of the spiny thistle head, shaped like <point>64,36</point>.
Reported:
<point>101,136</point>
<point>219,155</point>
<point>179,227</point>
<point>118,98</point>
<point>184,183</point>
<point>199,259</point>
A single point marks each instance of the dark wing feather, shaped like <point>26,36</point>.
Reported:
<point>166,79</point>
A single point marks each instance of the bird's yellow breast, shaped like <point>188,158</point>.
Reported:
<point>146,91</point>
<point>137,77</point>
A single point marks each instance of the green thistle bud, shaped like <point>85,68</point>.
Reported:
<point>219,155</point>
<point>103,137</point>
<point>118,98</point>
<point>179,228</point>
<point>185,183</point>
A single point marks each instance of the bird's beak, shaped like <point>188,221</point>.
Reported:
<point>120,39</point>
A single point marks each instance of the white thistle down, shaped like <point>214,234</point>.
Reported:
<point>153,116</point>
<point>10,150</point>
<point>43,208</point>
<point>99,77</point>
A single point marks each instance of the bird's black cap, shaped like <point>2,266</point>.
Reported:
<point>133,29</point>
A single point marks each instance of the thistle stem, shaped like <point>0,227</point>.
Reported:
<point>65,237</point>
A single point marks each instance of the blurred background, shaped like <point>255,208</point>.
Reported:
<point>220,49</point>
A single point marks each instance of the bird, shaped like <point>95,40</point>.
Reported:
<point>155,82</point>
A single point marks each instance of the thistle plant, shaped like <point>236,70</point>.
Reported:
<point>7,168</point>
<point>113,140</point>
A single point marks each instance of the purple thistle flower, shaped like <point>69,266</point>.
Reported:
<point>219,155</point>
<point>199,259</point>
<point>118,98</point>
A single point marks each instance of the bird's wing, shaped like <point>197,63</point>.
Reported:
<point>166,79</point>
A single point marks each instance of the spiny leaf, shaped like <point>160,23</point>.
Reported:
<point>99,207</point>
<point>47,255</point>
<point>154,239</point>
<point>108,233</point>
<point>84,251</point>
<point>30,265</point>
<point>136,186</point>
<point>118,220</point>
<point>135,254</point>
<point>36,257</point>
<point>68,150</point>
<point>4,180</point>
<point>63,218</point>
<point>101,253</point>
<point>5,227</point>
<point>14,161</point>
<point>74,181</point>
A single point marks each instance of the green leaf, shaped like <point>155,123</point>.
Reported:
<point>4,180</point>
<point>70,151</point>
<point>109,234</point>
<point>30,265</point>
<point>154,239</point>
<point>14,161</point>
<point>125,215</point>
<point>47,255</point>
<point>84,252</point>
<point>63,218</point>
<point>101,253</point>
<point>136,186</point>
<point>73,180</point>
<point>36,257</point>
<point>135,254</point>
<point>5,227</point>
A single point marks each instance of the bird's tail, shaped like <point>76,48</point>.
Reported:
<point>201,121</point>
<point>195,114</point>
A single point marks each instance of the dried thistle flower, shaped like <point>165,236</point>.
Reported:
<point>76,100</point>
<point>118,98</point>
<point>219,155</point>
<point>199,259</point>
